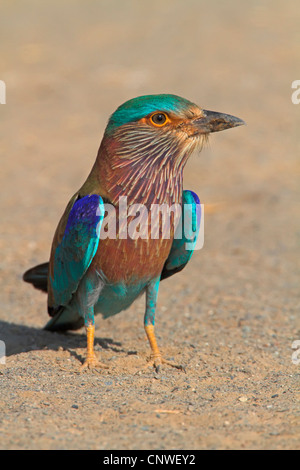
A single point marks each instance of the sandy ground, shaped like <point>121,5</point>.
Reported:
<point>232,315</point>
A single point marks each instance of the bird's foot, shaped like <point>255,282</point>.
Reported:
<point>158,361</point>
<point>156,357</point>
<point>91,362</point>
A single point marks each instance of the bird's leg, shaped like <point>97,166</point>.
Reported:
<point>91,359</point>
<point>155,352</point>
<point>149,320</point>
<point>87,295</point>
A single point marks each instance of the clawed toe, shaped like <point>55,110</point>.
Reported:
<point>159,361</point>
<point>91,362</point>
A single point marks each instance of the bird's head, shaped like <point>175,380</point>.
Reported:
<point>163,127</point>
<point>147,142</point>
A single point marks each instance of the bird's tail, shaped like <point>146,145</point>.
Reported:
<point>65,319</point>
<point>38,276</point>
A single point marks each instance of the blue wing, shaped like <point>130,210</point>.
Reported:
<point>77,249</point>
<point>185,236</point>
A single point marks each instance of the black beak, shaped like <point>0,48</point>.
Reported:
<point>214,122</point>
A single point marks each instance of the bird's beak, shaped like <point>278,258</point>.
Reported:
<point>210,121</point>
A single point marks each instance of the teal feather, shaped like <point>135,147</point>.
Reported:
<point>185,236</point>
<point>137,108</point>
<point>79,244</point>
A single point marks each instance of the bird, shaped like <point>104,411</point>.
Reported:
<point>95,266</point>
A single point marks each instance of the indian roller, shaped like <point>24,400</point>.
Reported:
<point>141,159</point>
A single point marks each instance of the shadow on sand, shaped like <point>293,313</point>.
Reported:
<point>22,338</point>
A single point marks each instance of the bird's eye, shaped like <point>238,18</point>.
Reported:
<point>159,119</point>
